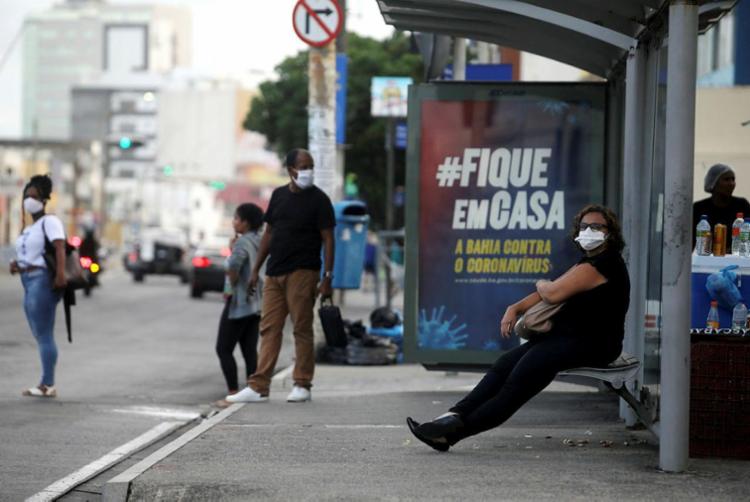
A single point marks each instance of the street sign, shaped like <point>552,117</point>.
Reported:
<point>317,22</point>
<point>401,136</point>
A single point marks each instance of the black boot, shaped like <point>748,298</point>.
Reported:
<point>444,427</point>
<point>439,444</point>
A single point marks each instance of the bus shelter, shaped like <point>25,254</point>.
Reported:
<point>646,52</point>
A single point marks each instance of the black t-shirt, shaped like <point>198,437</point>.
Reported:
<point>725,215</point>
<point>296,219</point>
<point>599,313</point>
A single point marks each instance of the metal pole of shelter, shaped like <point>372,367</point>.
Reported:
<point>459,59</point>
<point>676,261</point>
<point>635,215</point>
<point>390,134</point>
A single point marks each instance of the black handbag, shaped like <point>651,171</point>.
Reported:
<point>333,324</point>
<point>73,270</point>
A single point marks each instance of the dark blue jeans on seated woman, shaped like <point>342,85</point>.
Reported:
<point>521,373</point>
<point>40,304</point>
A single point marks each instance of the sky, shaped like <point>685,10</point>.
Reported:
<point>234,38</point>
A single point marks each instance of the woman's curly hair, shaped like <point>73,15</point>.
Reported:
<point>43,185</point>
<point>614,235</point>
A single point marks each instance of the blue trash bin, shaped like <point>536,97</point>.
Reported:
<point>350,234</point>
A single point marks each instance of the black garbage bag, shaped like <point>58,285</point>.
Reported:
<point>331,355</point>
<point>357,353</point>
<point>383,317</point>
<point>362,348</point>
<point>354,329</point>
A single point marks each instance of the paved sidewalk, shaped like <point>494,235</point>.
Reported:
<point>351,443</point>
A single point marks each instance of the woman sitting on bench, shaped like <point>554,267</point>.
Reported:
<point>587,331</point>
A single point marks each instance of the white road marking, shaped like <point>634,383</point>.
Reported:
<point>64,485</point>
<point>155,411</point>
<point>364,426</point>
<point>327,426</point>
<point>116,489</point>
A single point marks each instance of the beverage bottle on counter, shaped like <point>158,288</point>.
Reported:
<point>712,320</point>
<point>720,240</point>
<point>703,242</point>
<point>739,316</point>
<point>736,228</point>
<point>745,238</point>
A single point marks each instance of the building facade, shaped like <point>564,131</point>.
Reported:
<point>81,40</point>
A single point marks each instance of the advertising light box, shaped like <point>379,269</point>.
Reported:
<point>495,175</point>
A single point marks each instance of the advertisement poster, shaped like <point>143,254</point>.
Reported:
<point>389,96</point>
<point>500,172</point>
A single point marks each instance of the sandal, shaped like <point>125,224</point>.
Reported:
<point>41,391</point>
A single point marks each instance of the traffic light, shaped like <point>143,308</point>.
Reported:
<point>128,143</point>
<point>168,170</point>
<point>217,185</point>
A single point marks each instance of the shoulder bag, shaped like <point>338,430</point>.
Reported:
<point>73,270</point>
<point>537,320</point>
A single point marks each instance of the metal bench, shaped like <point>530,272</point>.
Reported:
<point>615,376</point>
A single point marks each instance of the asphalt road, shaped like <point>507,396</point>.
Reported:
<point>142,354</point>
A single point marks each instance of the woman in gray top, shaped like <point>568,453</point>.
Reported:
<point>241,315</point>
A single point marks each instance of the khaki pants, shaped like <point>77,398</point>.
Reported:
<point>292,294</point>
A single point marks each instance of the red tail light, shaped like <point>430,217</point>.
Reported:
<point>132,257</point>
<point>201,262</point>
<point>86,262</point>
<point>74,241</point>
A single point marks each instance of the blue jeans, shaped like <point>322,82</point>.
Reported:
<point>39,304</point>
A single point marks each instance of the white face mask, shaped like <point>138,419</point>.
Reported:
<point>32,206</point>
<point>591,239</point>
<point>305,179</point>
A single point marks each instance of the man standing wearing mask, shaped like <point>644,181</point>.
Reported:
<point>299,221</point>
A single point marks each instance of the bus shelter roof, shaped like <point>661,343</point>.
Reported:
<point>589,34</point>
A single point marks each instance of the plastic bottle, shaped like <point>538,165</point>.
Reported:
<point>736,228</point>
<point>739,316</point>
<point>712,320</point>
<point>703,242</point>
<point>745,238</point>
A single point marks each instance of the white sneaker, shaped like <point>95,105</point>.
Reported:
<point>299,395</point>
<point>246,395</point>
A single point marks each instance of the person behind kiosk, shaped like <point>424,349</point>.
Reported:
<point>722,206</point>
<point>587,331</point>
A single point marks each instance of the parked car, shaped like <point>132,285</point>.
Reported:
<point>158,251</point>
<point>207,270</point>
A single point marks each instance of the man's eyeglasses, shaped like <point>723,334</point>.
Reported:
<point>593,226</point>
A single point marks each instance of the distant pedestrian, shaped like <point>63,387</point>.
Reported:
<point>370,262</point>
<point>42,292</point>
<point>299,221</point>
<point>241,315</point>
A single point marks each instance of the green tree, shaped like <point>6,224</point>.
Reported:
<point>279,111</point>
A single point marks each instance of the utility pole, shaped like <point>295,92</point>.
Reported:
<point>321,119</point>
<point>341,48</point>
<point>390,168</point>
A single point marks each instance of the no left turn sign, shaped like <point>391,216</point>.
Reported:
<point>317,22</point>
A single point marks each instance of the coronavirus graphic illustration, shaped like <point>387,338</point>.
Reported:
<point>438,333</point>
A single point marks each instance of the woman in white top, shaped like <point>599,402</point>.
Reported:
<point>42,292</point>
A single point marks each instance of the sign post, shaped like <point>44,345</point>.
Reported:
<point>318,23</point>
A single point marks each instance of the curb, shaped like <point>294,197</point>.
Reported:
<point>117,489</point>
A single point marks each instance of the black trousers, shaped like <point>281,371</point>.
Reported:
<point>231,332</point>
<point>521,373</point>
